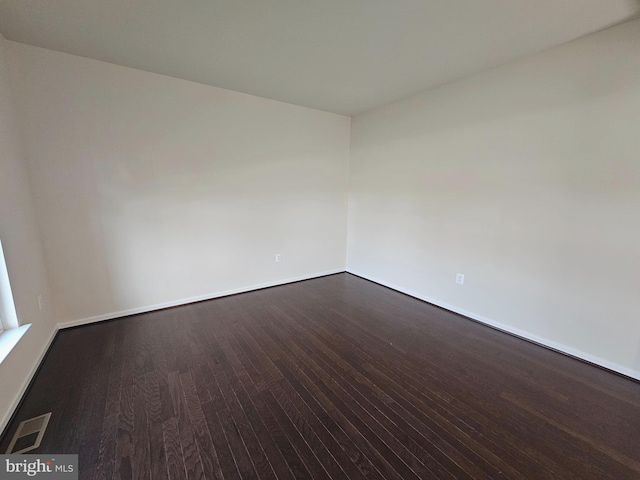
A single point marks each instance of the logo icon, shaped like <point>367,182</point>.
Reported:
<point>51,467</point>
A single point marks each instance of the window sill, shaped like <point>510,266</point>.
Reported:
<point>10,338</point>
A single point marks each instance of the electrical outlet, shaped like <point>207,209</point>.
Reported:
<point>40,302</point>
<point>278,257</point>
<point>460,278</point>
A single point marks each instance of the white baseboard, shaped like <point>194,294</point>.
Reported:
<point>184,301</point>
<point>25,384</point>
<point>574,352</point>
<point>500,326</point>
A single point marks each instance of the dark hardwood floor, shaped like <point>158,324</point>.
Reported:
<point>329,378</point>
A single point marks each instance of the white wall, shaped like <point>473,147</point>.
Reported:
<point>526,179</point>
<point>151,190</point>
<point>23,255</point>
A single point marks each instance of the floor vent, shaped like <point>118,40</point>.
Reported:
<point>29,434</point>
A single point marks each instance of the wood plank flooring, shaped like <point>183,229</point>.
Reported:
<point>329,378</point>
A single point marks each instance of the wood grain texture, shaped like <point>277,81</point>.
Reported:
<point>330,378</point>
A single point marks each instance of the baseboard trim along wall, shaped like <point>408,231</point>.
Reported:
<point>185,301</point>
<point>580,355</point>
<point>559,347</point>
<point>13,407</point>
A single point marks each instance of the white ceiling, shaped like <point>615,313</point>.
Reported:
<point>342,56</point>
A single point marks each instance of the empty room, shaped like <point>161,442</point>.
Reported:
<point>320,239</point>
